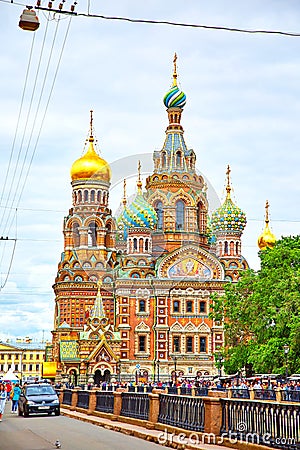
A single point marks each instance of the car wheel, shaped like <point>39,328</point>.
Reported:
<point>57,412</point>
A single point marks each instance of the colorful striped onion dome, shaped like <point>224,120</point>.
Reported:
<point>228,217</point>
<point>175,98</point>
<point>138,214</point>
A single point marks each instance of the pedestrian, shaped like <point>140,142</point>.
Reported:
<point>8,390</point>
<point>3,396</point>
<point>15,398</point>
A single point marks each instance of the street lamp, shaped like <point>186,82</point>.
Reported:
<point>286,352</point>
<point>175,366</point>
<point>119,371</point>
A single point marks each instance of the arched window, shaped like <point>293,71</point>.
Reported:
<point>99,196</point>
<point>225,248</point>
<point>92,196</point>
<point>92,234</point>
<point>79,197</point>
<point>142,306</point>
<point>85,195</point>
<point>146,245</point>
<point>236,248</point>
<point>231,248</point>
<point>160,215</point>
<point>180,206</point>
<point>163,159</point>
<point>135,245</point>
<point>75,198</point>
<point>76,236</point>
<point>178,159</point>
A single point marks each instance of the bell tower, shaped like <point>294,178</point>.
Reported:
<point>89,239</point>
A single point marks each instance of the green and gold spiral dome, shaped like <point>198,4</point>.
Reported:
<point>175,98</point>
<point>138,214</point>
<point>228,217</point>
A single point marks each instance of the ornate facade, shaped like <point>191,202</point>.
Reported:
<point>133,293</point>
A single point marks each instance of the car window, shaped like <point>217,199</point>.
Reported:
<point>40,390</point>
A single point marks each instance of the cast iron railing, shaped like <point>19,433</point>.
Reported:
<point>83,399</point>
<point>181,411</point>
<point>264,394</point>
<point>240,393</point>
<point>290,395</point>
<point>135,405</point>
<point>67,397</point>
<point>105,401</point>
<point>272,424</point>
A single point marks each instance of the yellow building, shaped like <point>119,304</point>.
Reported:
<point>24,359</point>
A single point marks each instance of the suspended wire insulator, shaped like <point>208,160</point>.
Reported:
<point>29,20</point>
<point>60,6</point>
<point>50,5</point>
<point>38,3</point>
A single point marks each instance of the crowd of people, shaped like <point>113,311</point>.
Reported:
<point>9,391</point>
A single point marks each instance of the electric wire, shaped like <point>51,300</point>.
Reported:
<point>11,260</point>
<point>25,129</point>
<point>45,112</point>
<point>34,121</point>
<point>167,22</point>
<point>18,120</point>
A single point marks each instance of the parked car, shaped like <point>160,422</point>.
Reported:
<point>38,398</point>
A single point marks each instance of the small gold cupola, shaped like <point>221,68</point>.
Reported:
<point>91,165</point>
<point>267,239</point>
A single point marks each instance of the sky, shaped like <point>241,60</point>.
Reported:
<point>243,109</point>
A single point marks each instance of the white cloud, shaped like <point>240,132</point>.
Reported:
<point>242,109</point>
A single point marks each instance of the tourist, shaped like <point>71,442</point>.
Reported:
<point>8,389</point>
<point>15,398</point>
<point>2,400</point>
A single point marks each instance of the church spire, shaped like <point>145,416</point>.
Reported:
<point>139,182</point>
<point>98,309</point>
<point>267,239</point>
<point>228,186</point>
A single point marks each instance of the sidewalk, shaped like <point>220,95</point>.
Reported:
<point>160,437</point>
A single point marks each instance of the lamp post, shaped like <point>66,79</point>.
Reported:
<point>175,366</point>
<point>119,371</point>
<point>286,352</point>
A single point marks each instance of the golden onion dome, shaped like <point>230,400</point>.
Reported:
<point>91,165</point>
<point>267,239</point>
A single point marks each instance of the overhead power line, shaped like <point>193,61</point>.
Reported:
<point>162,22</point>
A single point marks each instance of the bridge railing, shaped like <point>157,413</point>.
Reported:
<point>274,423</point>
<point>266,423</point>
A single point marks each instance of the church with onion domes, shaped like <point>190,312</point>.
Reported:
<point>133,293</point>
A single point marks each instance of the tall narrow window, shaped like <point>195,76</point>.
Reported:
<point>92,196</point>
<point>180,215</point>
<point>160,215</point>
<point>76,236</point>
<point>236,248</point>
<point>135,244</point>
<point>99,196</point>
<point>142,343</point>
<point>176,344</point>
<point>85,195</point>
<point>189,344</point>
<point>176,306</point>
<point>163,159</point>
<point>202,344</point>
<point>92,235</point>
<point>189,306</point>
<point>225,248</point>
<point>142,306</point>
<point>178,159</point>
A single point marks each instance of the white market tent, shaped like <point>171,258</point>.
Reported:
<point>10,376</point>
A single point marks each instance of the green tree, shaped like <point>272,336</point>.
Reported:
<point>262,312</point>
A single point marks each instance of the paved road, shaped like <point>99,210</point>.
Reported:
<point>41,432</point>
